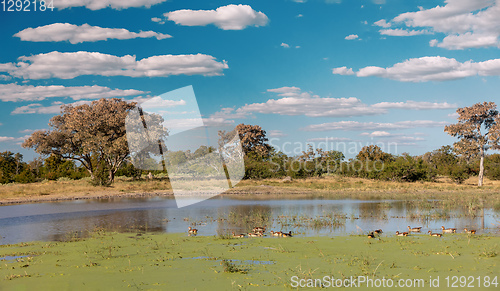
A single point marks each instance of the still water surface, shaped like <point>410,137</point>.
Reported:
<point>54,221</point>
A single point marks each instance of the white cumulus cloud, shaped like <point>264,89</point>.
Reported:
<point>465,23</point>
<point>352,36</point>
<point>159,102</point>
<point>415,105</point>
<point>70,65</point>
<point>466,40</point>
<point>83,33</point>
<point>230,17</point>
<point>403,32</point>
<point>6,138</point>
<point>331,139</point>
<point>363,126</point>
<point>342,71</point>
<point>101,4</point>
<point>15,92</point>
<point>158,20</point>
<point>276,133</point>
<point>430,69</point>
<point>382,23</point>
<point>37,108</point>
<point>392,137</point>
<point>295,102</point>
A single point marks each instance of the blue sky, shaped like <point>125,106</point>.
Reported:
<point>349,73</point>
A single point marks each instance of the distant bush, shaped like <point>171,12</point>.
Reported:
<point>404,168</point>
<point>128,170</point>
<point>493,166</point>
<point>101,176</point>
<point>460,172</point>
<point>52,176</point>
<point>409,169</point>
<point>256,168</point>
<point>25,176</point>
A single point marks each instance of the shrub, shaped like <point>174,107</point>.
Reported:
<point>101,176</point>
<point>128,170</point>
<point>25,176</point>
<point>408,168</point>
<point>493,166</point>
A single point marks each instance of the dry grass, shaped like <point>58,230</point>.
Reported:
<point>343,183</point>
<point>62,190</point>
<point>334,187</point>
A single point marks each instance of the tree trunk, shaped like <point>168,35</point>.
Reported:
<point>111,176</point>
<point>481,167</point>
<point>91,173</point>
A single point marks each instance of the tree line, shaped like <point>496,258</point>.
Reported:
<point>90,141</point>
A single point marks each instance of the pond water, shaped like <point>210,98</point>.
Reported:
<point>305,217</point>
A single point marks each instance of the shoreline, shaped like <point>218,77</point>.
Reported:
<point>328,188</point>
<point>168,193</point>
<point>58,198</point>
<point>257,194</point>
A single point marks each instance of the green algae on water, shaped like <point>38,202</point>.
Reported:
<point>117,261</point>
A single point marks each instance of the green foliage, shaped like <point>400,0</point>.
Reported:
<point>373,153</point>
<point>262,162</point>
<point>318,162</point>
<point>56,167</point>
<point>408,169</point>
<point>26,176</point>
<point>7,167</point>
<point>257,167</point>
<point>460,172</point>
<point>128,170</point>
<point>101,175</point>
<point>375,164</point>
<point>493,166</point>
<point>444,160</point>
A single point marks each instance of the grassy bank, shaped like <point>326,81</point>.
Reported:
<point>332,187</point>
<point>112,261</point>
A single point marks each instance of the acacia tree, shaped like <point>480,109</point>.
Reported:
<point>93,134</point>
<point>253,139</point>
<point>373,153</point>
<point>478,129</point>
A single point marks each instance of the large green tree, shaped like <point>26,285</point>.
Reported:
<point>478,130</point>
<point>92,134</point>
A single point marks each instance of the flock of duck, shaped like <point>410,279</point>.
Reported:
<point>260,232</point>
<point>257,231</point>
<point>419,229</point>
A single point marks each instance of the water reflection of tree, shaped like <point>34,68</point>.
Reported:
<point>243,218</point>
<point>374,210</point>
<point>120,221</point>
